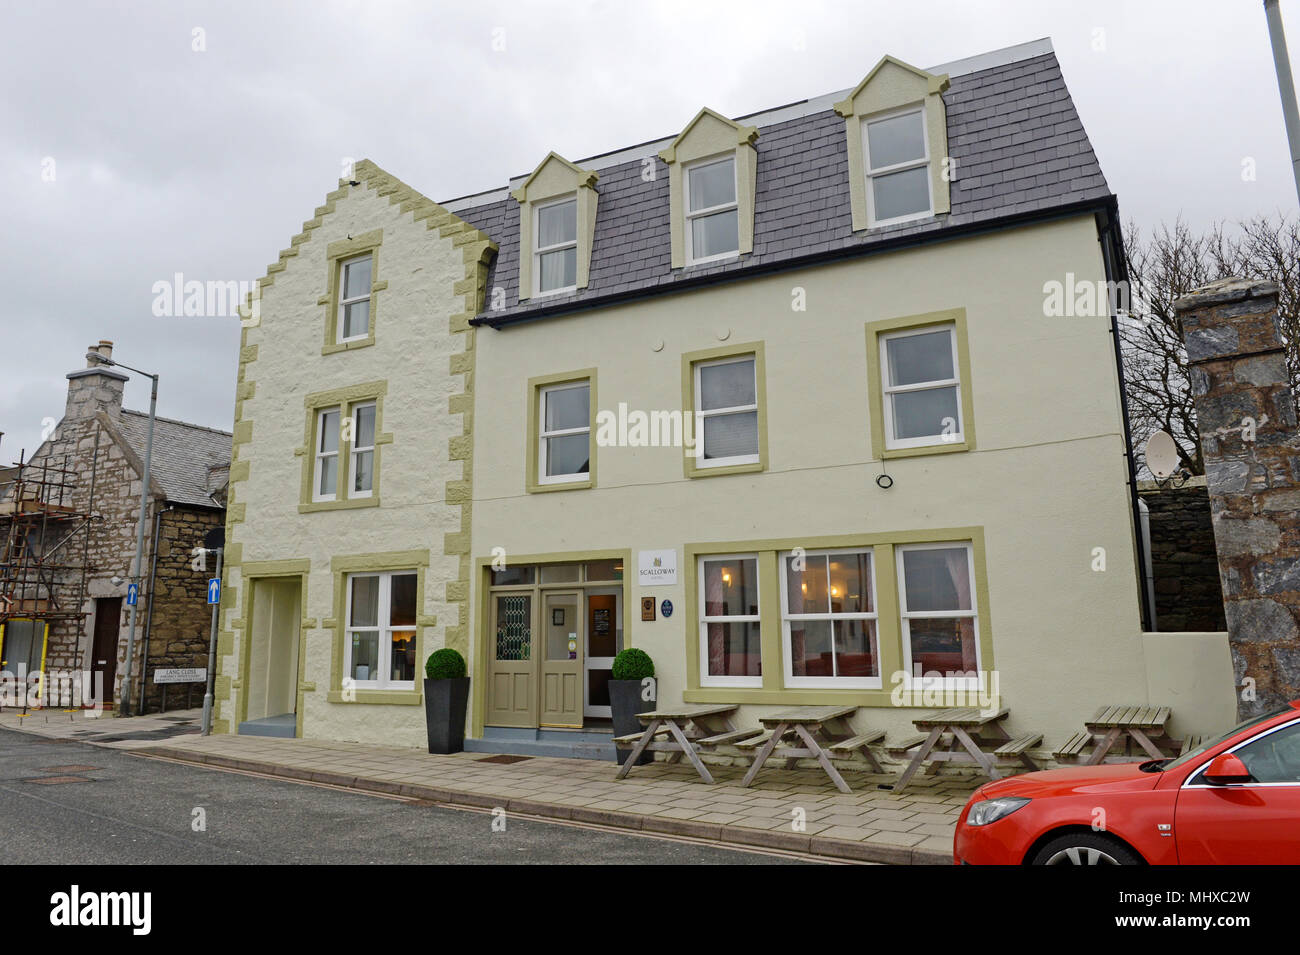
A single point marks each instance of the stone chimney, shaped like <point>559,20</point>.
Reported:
<point>95,388</point>
<point>1246,417</point>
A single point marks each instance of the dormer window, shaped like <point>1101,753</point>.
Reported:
<point>898,167</point>
<point>712,176</point>
<point>712,214</point>
<point>557,247</point>
<point>896,129</point>
<point>557,227</point>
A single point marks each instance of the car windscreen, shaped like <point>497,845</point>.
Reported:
<point>1207,746</point>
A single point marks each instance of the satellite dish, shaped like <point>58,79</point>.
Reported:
<point>1161,455</point>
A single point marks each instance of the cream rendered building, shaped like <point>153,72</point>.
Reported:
<point>347,558</point>
<point>907,471</point>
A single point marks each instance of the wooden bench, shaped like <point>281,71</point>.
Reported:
<point>734,737</point>
<point>860,744</point>
<point>631,739</point>
<point>855,743</point>
<point>1189,744</point>
<point>1074,746</point>
<point>1019,748</point>
<point>901,747</point>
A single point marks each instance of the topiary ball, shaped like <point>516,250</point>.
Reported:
<point>445,664</point>
<point>632,664</point>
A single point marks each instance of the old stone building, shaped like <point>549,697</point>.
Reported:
<point>68,531</point>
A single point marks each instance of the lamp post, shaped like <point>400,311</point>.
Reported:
<point>125,708</point>
<point>1282,65</point>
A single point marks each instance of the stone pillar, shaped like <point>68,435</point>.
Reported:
<point>1246,417</point>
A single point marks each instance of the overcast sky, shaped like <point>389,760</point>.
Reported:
<point>166,158</point>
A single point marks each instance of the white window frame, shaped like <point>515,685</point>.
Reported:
<point>543,435</point>
<point>702,624</point>
<point>906,616</point>
<point>344,302</point>
<point>316,494</point>
<point>872,173</point>
<point>700,414</point>
<point>824,682</point>
<point>689,214</point>
<point>888,389</point>
<point>354,450</point>
<point>384,629</point>
<point>540,250</point>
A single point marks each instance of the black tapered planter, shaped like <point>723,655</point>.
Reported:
<point>626,701</point>
<point>445,702</point>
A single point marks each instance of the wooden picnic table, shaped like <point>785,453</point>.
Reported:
<point>815,732</point>
<point>1144,725</point>
<point>979,732</point>
<point>686,729</point>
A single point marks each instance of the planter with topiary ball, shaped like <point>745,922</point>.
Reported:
<point>632,690</point>
<point>446,697</point>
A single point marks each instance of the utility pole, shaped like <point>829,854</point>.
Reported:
<point>1285,86</point>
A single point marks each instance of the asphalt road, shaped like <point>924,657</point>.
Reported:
<point>142,811</point>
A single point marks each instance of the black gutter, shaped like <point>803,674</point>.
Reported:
<point>911,240</point>
<point>1111,237</point>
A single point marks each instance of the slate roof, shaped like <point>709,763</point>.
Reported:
<point>1018,143</point>
<point>183,455</point>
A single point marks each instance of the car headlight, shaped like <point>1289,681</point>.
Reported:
<point>991,810</point>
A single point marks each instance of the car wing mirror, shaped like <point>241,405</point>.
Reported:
<point>1225,769</point>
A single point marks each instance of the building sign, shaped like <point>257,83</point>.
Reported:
<point>181,675</point>
<point>656,568</point>
<point>647,608</point>
<point>666,608</point>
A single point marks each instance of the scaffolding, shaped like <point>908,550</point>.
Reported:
<point>44,556</point>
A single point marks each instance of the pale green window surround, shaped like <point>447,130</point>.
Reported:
<point>691,467</point>
<point>711,136</point>
<point>555,178</point>
<point>345,399</point>
<point>891,86</point>
<point>337,253</point>
<point>889,624</point>
<point>341,567</point>
<point>956,319</point>
<point>532,431</point>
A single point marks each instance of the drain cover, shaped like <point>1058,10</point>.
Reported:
<point>56,780</point>
<point>70,768</point>
<point>503,758</point>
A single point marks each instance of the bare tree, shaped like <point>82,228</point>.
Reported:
<point>1169,262</point>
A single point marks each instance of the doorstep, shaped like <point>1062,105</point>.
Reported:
<point>562,743</point>
<point>870,825</point>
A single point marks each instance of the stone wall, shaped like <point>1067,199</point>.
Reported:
<point>182,618</point>
<point>1183,559</point>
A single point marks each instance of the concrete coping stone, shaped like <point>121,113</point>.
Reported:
<point>1235,289</point>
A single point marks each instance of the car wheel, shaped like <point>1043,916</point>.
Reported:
<point>1085,848</point>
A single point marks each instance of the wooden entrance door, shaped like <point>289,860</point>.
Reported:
<point>512,680</point>
<point>562,654</point>
<point>103,649</point>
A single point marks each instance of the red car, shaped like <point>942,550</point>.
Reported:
<point>1233,801</point>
